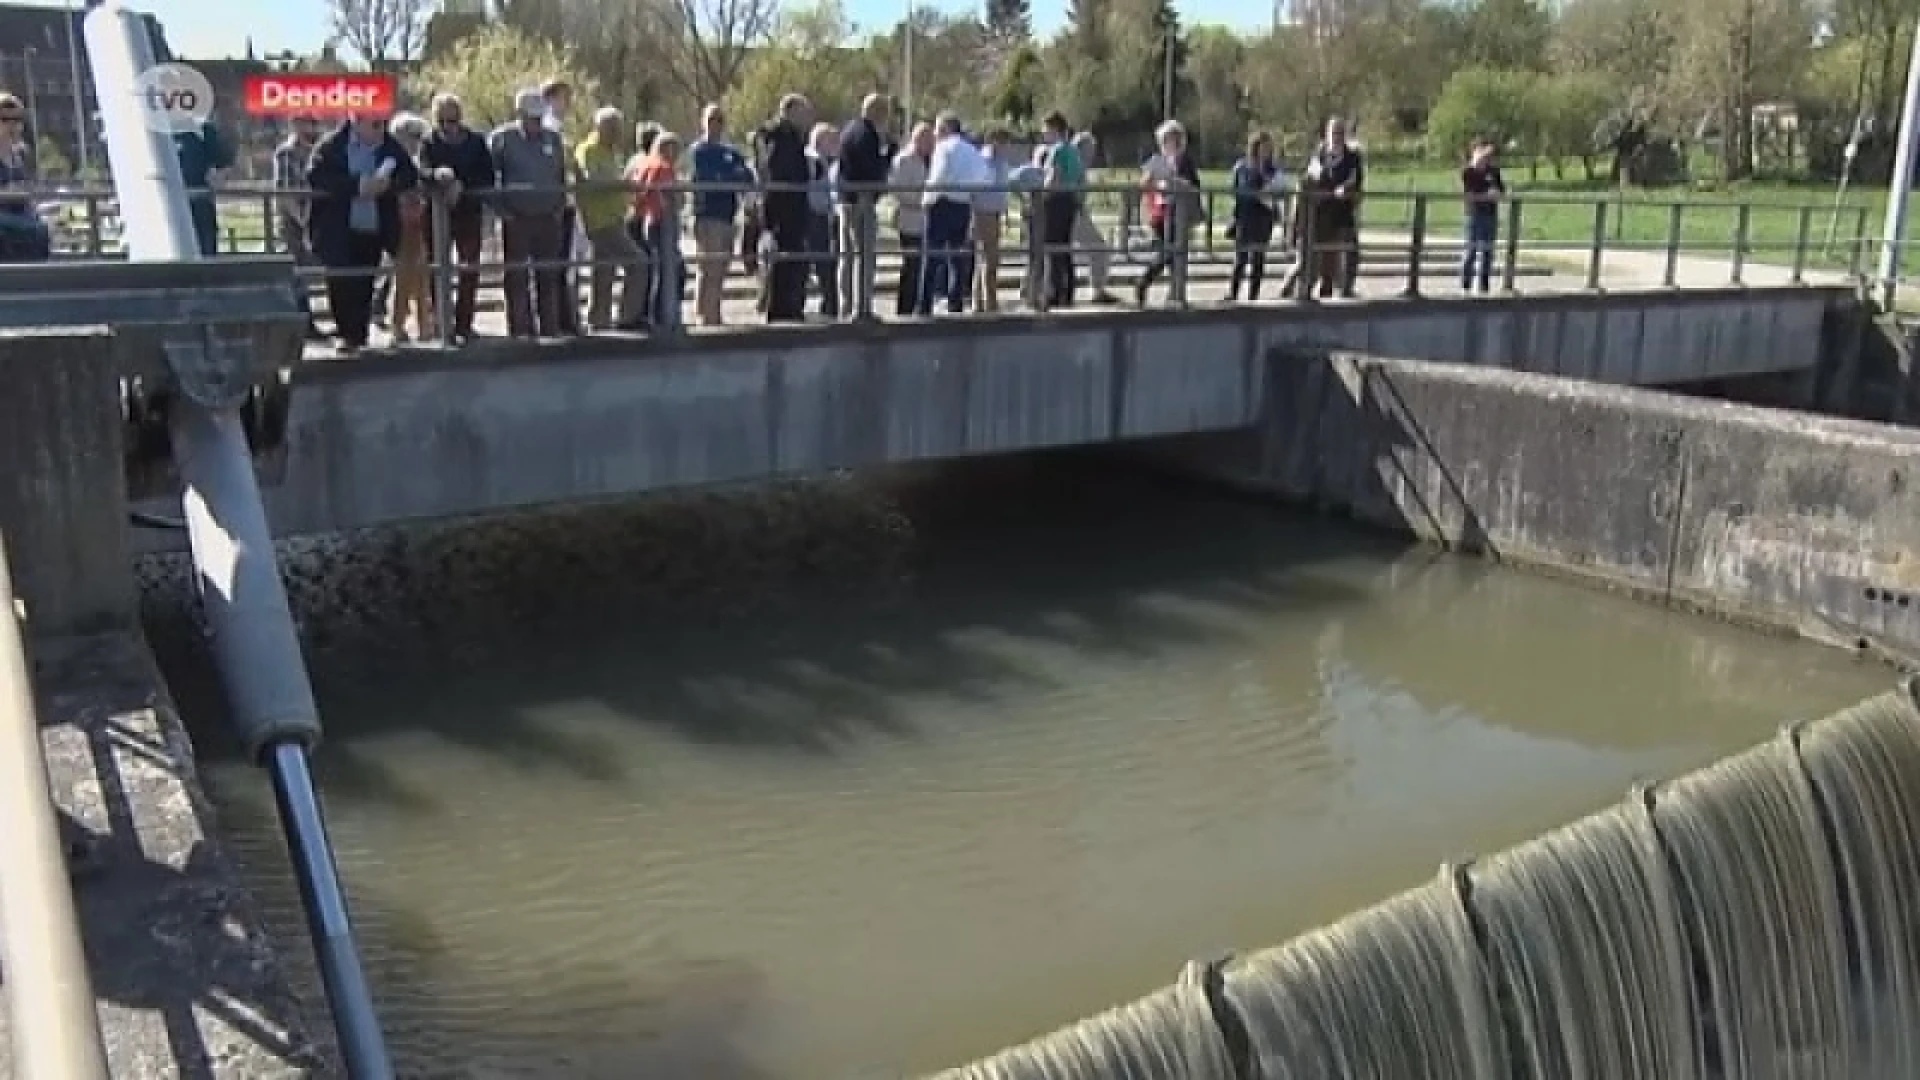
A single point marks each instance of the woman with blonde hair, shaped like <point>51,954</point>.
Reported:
<point>412,281</point>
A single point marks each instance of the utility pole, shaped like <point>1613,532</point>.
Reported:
<point>1166,79</point>
<point>82,118</point>
<point>1895,235</point>
<point>906,77</point>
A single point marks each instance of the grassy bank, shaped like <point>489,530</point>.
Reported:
<point>1559,213</point>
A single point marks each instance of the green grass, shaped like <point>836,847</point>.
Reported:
<point>1559,214</point>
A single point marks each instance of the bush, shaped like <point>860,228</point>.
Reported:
<point>1483,102</point>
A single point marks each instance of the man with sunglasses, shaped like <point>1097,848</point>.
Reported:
<point>460,167</point>
<point>23,236</point>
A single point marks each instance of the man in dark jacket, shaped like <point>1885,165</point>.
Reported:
<point>461,169</point>
<point>866,155</point>
<point>357,174</point>
<point>786,173</point>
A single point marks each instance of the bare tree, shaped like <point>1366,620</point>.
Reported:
<point>385,33</point>
<point>707,42</point>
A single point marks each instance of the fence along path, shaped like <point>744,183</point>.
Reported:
<point>1757,918</point>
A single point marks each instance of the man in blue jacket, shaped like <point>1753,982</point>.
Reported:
<point>866,157</point>
<point>720,166</point>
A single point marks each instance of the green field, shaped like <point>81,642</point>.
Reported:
<point>1560,215</point>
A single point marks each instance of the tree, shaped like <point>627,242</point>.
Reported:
<point>1482,103</point>
<point>385,33</point>
<point>1217,116</point>
<point>1015,97</point>
<point>1569,112</point>
<point>619,43</point>
<point>1630,42</point>
<point>1507,34</point>
<point>1735,55</point>
<point>488,68</point>
<point>809,55</point>
<point>706,43</point>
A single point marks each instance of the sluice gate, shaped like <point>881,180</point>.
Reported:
<point>1757,918</point>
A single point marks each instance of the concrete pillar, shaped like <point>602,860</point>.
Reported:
<point>63,499</point>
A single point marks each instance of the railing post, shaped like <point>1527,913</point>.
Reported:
<point>1416,249</point>
<point>1803,230</point>
<point>1307,258</point>
<point>56,1031</point>
<point>94,240</point>
<point>1742,229</point>
<point>440,219</point>
<point>1510,273</point>
<point>673,285</point>
<point>1183,226</point>
<point>1039,257</point>
<point>1857,257</point>
<point>1597,246</point>
<point>1670,275</point>
<point>269,242</point>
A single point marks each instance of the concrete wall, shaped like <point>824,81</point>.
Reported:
<point>63,506</point>
<point>1801,522</point>
<point>390,439</point>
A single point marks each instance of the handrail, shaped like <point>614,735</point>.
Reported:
<point>54,1024</point>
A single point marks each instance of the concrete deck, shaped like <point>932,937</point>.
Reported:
<point>427,433</point>
<point>188,983</point>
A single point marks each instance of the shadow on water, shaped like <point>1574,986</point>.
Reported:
<point>701,619</point>
<point>701,616</point>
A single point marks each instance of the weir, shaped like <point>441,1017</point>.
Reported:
<point>1742,921</point>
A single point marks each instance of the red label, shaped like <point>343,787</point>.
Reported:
<point>320,95</point>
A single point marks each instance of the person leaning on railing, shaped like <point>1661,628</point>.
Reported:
<point>1483,187</point>
<point>955,169</point>
<point>656,203</point>
<point>357,174</point>
<point>24,237</point>
<point>1088,241</point>
<point>1062,205</point>
<point>600,165</point>
<point>1336,178</point>
<point>412,282</point>
<point>1256,183</point>
<point>989,220</point>
<point>205,155</point>
<point>532,162</point>
<point>462,167</point>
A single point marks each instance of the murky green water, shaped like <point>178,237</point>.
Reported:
<point>1013,755</point>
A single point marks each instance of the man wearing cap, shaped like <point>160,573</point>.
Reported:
<point>290,215</point>
<point>462,170</point>
<point>532,165</point>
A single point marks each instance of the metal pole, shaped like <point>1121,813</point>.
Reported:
<point>56,1032</point>
<point>33,96</point>
<point>249,623</point>
<point>1895,229</point>
<point>81,121</point>
<point>906,75</point>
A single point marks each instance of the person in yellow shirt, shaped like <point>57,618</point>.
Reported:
<point>600,166</point>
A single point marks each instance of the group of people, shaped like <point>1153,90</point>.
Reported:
<point>800,207</point>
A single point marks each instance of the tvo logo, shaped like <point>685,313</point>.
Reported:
<point>174,99</point>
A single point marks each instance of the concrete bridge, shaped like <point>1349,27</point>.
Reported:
<point>426,434</point>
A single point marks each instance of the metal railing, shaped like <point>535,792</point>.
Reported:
<point>54,1025</point>
<point>1420,235</point>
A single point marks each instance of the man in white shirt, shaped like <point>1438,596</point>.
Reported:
<point>907,180</point>
<point>957,166</point>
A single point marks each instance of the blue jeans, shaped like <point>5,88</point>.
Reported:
<point>947,269</point>
<point>1483,235</point>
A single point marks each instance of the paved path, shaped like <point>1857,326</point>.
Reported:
<point>1203,291</point>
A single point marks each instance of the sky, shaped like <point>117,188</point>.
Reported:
<point>209,28</point>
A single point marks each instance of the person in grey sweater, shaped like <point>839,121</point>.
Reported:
<point>532,164</point>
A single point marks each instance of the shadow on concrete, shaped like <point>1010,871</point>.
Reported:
<point>188,983</point>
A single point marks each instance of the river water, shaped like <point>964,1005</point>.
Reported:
<point>873,777</point>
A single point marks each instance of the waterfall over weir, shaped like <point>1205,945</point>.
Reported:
<point>1758,918</point>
